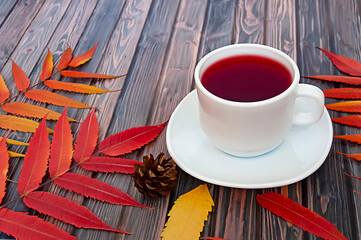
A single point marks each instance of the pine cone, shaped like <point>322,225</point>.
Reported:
<point>156,177</point>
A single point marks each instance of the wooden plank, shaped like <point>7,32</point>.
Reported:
<point>5,9</point>
<point>329,193</point>
<point>12,30</point>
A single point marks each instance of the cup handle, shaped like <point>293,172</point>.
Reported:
<point>314,93</point>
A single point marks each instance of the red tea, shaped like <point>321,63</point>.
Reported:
<point>246,78</point>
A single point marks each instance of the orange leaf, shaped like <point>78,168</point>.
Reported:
<point>29,110</point>
<point>87,138</point>
<point>14,142</point>
<point>83,58</point>
<point>45,96</point>
<point>35,161</point>
<point>354,121</point>
<point>21,80</point>
<point>61,147</point>
<point>65,59</point>
<point>74,87</point>
<point>22,226</point>
<point>19,124</point>
<point>299,216</point>
<point>47,66</point>
<point>76,74</point>
<point>359,178</point>
<point>66,210</point>
<point>356,156</point>
<point>4,91</point>
<point>349,106</point>
<point>129,140</point>
<point>96,189</point>
<point>339,79</point>
<point>344,64</point>
<point>4,166</point>
<point>345,93</point>
<point>110,164</point>
<point>352,138</point>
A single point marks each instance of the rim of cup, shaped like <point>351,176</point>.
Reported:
<point>247,47</point>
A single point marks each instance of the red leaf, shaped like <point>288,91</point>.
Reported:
<point>36,160</point>
<point>344,64</point>
<point>299,216</point>
<point>47,66</point>
<point>65,59</point>
<point>110,164</point>
<point>356,156</point>
<point>93,188</point>
<point>21,80</point>
<point>352,138</point>
<point>345,93</point>
<point>76,74</point>
<point>339,79</point>
<point>66,210</point>
<point>348,106</point>
<point>4,91</point>
<point>61,148</point>
<point>4,166</point>
<point>354,120</point>
<point>87,138</point>
<point>22,226</point>
<point>359,178</point>
<point>83,58</point>
<point>129,140</point>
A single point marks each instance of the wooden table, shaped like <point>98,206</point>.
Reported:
<point>157,44</point>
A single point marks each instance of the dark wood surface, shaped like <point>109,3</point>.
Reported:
<point>157,44</point>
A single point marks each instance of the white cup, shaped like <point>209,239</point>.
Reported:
<point>248,129</point>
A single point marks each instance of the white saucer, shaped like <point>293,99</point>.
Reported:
<point>302,153</point>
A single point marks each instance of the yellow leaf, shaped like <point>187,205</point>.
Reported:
<point>29,110</point>
<point>74,87</point>
<point>14,142</point>
<point>19,124</point>
<point>53,98</point>
<point>187,216</point>
<point>15,154</point>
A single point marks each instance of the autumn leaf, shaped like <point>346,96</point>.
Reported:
<point>76,74</point>
<point>110,164</point>
<point>22,226</point>
<point>74,87</point>
<point>352,138</point>
<point>45,96</point>
<point>22,82</point>
<point>83,58</point>
<point>96,189</point>
<point>65,59</point>
<point>338,79</point>
<point>4,91</point>
<point>356,156</point>
<point>187,216</point>
<point>15,154</point>
<point>299,216</point>
<point>66,210</point>
<point>129,140</point>
<point>344,93</point>
<point>348,106</point>
<point>29,110</point>
<point>4,166</point>
<point>359,178</point>
<point>87,138</point>
<point>212,238</point>
<point>354,120</point>
<point>14,142</point>
<point>19,124</point>
<point>47,66</point>
<point>344,64</point>
<point>61,151</point>
<point>35,161</point>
